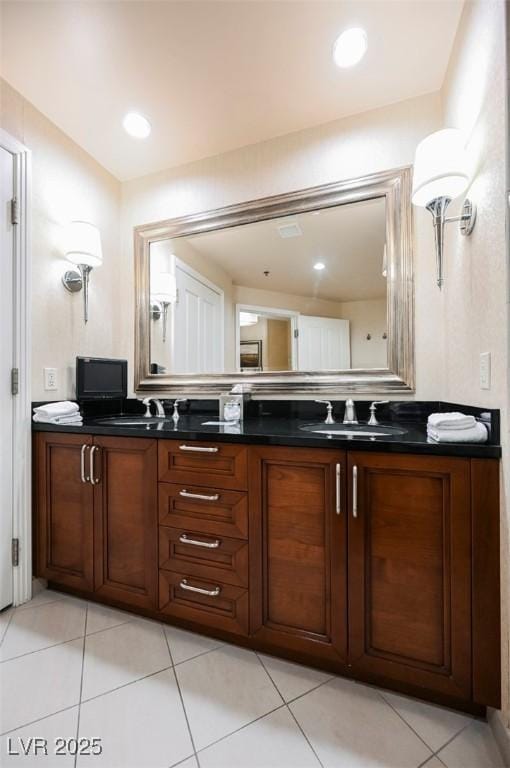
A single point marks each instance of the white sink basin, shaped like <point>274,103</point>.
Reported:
<point>353,430</point>
<point>129,421</point>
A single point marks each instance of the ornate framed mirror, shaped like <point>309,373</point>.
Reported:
<point>307,293</point>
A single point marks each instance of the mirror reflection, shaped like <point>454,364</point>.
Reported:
<point>304,292</point>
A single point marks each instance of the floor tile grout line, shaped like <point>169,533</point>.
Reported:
<point>305,736</point>
<point>405,721</point>
<point>181,762</point>
<point>202,653</point>
<point>4,634</point>
<point>300,696</point>
<point>289,709</point>
<point>39,719</point>
<point>181,696</point>
<point>105,629</point>
<point>26,606</point>
<point>241,728</point>
<point>38,650</point>
<point>468,725</point>
<point>125,685</point>
<point>70,640</point>
<point>81,682</point>
<point>269,676</point>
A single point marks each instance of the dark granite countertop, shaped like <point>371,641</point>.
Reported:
<point>276,430</point>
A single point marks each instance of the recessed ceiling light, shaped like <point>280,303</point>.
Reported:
<point>319,265</point>
<point>350,47</point>
<point>136,125</point>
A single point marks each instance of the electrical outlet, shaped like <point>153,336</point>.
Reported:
<point>50,379</point>
<point>485,370</point>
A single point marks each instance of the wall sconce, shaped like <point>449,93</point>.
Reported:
<point>440,175</point>
<point>83,249</point>
<point>163,293</point>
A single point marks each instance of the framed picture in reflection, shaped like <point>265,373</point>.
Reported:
<point>251,355</point>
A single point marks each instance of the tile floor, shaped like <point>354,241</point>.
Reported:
<point>159,697</point>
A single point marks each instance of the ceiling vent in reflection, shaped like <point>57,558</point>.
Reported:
<point>289,230</point>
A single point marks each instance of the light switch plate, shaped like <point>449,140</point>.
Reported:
<point>485,370</point>
<point>50,379</point>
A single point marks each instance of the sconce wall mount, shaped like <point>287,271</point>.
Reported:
<point>440,176</point>
<point>437,208</point>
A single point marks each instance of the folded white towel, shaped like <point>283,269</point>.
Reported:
<point>454,420</point>
<point>73,418</point>
<point>476,434</point>
<point>64,408</point>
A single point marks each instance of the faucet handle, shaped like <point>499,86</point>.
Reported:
<point>373,418</point>
<point>329,418</point>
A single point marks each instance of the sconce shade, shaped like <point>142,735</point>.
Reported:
<point>83,244</point>
<point>164,287</point>
<point>441,167</point>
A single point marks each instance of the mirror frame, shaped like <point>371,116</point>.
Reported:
<point>395,186</point>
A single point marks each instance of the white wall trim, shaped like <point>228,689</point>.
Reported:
<point>22,442</point>
<point>501,733</point>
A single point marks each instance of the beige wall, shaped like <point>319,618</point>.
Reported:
<point>66,184</point>
<point>373,141</point>
<point>474,302</point>
<point>367,318</point>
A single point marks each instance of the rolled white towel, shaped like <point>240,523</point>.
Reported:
<point>73,418</point>
<point>476,434</point>
<point>454,420</point>
<point>64,408</point>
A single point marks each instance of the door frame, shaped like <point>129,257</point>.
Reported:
<point>288,314</point>
<point>22,443</point>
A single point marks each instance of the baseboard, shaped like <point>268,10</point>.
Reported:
<point>38,585</point>
<point>501,733</point>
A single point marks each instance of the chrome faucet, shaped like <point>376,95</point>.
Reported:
<point>329,417</point>
<point>350,412</point>
<point>160,411</point>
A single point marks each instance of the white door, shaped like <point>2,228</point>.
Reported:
<point>6,361</point>
<point>198,324</point>
<point>323,344</point>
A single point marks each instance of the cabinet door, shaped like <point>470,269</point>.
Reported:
<point>64,510</point>
<point>409,570</point>
<point>126,525</point>
<point>298,550</point>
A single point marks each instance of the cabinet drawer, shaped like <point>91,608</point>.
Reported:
<point>208,510</point>
<point>215,605</point>
<point>203,463</point>
<point>206,557</point>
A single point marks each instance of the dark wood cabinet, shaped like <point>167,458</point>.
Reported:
<point>126,514</point>
<point>298,550</point>
<point>64,510</point>
<point>96,515</point>
<point>410,570</point>
<point>380,566</point>
<point>218,465</point>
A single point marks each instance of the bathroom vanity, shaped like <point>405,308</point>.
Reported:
<point>375,559</point>
<point>373,556</point>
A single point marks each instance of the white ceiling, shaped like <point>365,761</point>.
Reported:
<point>348,239</point>
<point>213,76</point>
